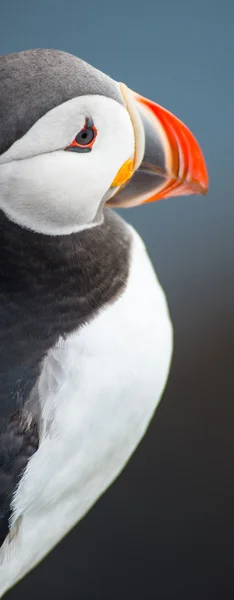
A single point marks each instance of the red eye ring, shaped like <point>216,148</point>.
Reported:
<point>85,139</point>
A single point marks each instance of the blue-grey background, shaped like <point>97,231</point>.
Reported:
<point>165,529</point>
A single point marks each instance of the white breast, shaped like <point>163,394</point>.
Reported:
<point>99,390</point>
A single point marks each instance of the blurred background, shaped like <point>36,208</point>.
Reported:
<point>165,529</point>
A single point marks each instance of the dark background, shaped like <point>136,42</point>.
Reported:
<point>165,529</point>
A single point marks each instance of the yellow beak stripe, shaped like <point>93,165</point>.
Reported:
<point>124,173</point>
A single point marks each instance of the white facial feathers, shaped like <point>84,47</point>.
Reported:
<point>56,192</point>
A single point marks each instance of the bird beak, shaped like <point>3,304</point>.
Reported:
<point>167,162</point>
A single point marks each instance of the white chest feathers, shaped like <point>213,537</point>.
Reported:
<point>98,392</point>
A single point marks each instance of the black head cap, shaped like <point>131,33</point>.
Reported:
<point>35,81</point>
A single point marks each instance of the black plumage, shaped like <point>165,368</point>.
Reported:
<point>49,286</point>
<point>18,441</point>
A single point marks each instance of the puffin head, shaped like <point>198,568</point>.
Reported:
<point>72,140</point>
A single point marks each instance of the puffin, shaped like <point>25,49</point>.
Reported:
<point>85,333</point>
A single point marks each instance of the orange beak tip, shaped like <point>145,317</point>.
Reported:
<point>198,187</point>
<point>204,191</point>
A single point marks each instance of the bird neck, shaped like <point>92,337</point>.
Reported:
<point>49,287</point>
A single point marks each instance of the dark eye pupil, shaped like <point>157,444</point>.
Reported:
<point>85,136</point>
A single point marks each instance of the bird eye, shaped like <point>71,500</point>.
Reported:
<point>85,136</point>
<point>85,139</point>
